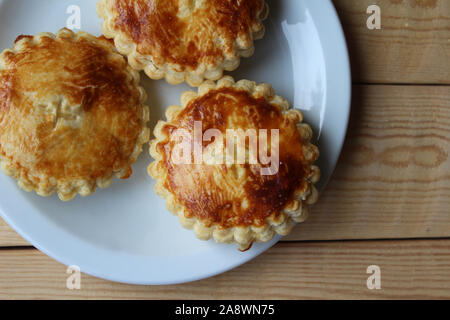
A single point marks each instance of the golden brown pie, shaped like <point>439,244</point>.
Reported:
<point>72,113</point>
<point>184,40</point>
<point>215,192</point>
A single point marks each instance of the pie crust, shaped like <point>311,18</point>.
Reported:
<point>184,40</point>
<point>234,202</point>
<point>72,114</point>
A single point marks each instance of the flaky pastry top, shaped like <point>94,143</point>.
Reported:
<point>70,110</point>
<point>235,195</point>
<point>171,37</point>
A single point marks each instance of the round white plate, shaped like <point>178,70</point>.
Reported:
<point>125,233</point>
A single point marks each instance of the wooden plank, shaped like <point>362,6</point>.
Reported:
<point>410,269</point>
<point>8,237</point>
<point>412,46</point>
<point>393,178</point>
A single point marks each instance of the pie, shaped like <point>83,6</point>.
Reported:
<point>230,191</point>
<point>72,114</point>
<point>184,40</point>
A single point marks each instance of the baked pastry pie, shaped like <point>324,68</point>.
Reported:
<point>230,191</point>
<point>72,114</point>
<point>183,40</point>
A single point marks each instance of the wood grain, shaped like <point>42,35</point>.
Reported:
<point>9,237</point>
<point>393,178</point>
<point>412,46</point>
<point>409,270</point>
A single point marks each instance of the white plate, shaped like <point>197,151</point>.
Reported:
<point>124,233</point>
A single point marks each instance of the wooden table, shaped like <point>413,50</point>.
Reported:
<point>386,205</point>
